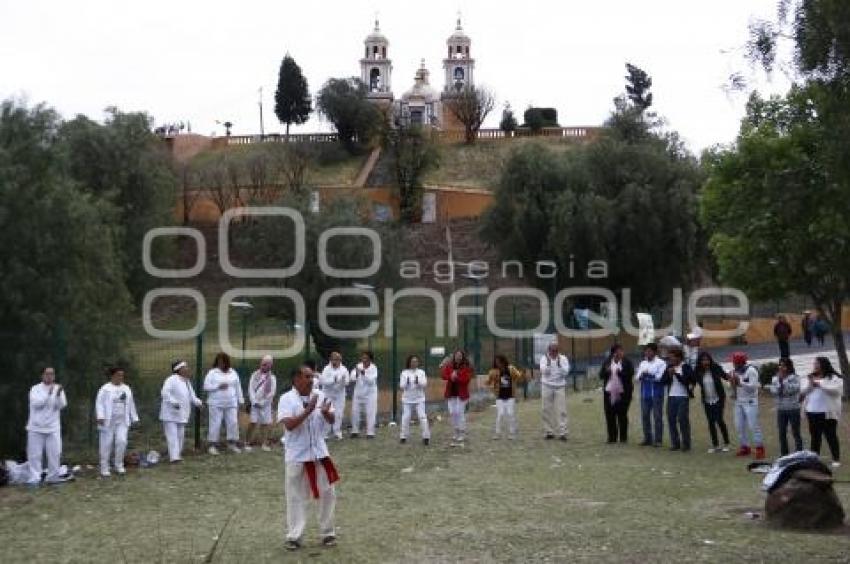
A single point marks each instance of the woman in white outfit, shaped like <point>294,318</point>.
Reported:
<point>413,383</point>
<point>178,397</point>
<point>224,396</point>
<point>44,433</point>
<point>333,380</point>
<point>115,412</point>
<point>261,391</point>
<point>365,378</point>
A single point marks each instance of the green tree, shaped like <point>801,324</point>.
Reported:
<point>63,299</point>
<point>259,242</point>
<point>776,211</point>
<point>413,153</point>
<point>594,202</point>
<point>471,106</point>
<point>292,99</point>
<point>344,103</point>
<point>533,118</point>
<point>125,164</point>
<point>638,84</point>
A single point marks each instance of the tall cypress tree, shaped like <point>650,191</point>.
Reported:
<point>292,98</point>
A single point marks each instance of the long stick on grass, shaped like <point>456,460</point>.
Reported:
<point>218,537</point>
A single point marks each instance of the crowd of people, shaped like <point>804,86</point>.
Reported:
<point>312,410</point>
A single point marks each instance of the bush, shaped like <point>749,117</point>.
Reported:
<point>538,118</point>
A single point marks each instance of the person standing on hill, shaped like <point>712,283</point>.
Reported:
<point>822,391</point>
<point>224,396</point>
<point>503,379</point>
<point>554,369</point>
<point>309,471</point>
<point>650,373</point>
<point>365,378</point>
<point>413,383</point>
<point>457,375</point>
<point>709,376</point>
<point>821,328</point>
<point>333,380</point>
<point>44,432</point>
<point>617,375</point>
<point>807,325</point>
<point>261,391</point>
<point>680,381</point>
<point>782,332</point>
<point>745,385</point>
<point>786,387</point>
<point>115,412</point>
<point>178,398</point>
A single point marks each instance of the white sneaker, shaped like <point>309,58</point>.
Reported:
<point>835,464</point>
<point>714,450</point>
<point>105,473</point>
<point>725,448</point>
<point>496,437</point>
<point>266,448</point>
<point>120,470</point>
<point>234,449</point>
<point>248,448</point>
<point>213,451</point>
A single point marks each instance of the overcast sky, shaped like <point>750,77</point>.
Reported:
<point>205,61</point>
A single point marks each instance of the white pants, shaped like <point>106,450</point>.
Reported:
<point>406,408</point>
<point>554,410</point>
<point>37,445</point>
<point>747,417</point>
<point>113,433</point>
<point>261,415</point>
<point>371,402</point>
<point>338,401</point>
<point>457,413</point>
<point>298,495</point>
<point>506,411</point>
<point>231,422</point>
<point>175,433</point>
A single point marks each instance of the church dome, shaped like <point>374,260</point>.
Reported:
<point>376,36</point>
<point>421,89</point>
<point>459,37</point>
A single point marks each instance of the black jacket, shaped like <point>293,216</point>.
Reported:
<point>686,378</point>
<point>718,375</point>
<point>627,377</point>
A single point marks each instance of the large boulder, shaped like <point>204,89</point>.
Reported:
<point>805,500</point>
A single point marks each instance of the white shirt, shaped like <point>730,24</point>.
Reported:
<point>178,397</point>
<point>747,390</point>
<point>334,380</point>
<point>826,398</point>
<point>306,442</point>
<point>45,407</point>
<point>554,371</point>
<point>228,397</point>
<point>654,368</point>
<point>368,383</point>
<point>413,384</point>
<point>677,389</point>
<point>261,388</point>
<point>114,404</point>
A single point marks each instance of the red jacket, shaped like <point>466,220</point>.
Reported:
<point>464,375</point>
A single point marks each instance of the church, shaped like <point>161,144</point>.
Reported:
<point>421,104</point>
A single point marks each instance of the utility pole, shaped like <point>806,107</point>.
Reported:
<point>262,129</point>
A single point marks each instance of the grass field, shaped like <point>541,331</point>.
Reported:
<point>526,500</point>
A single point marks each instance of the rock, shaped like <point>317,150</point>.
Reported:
<point>806,501</point>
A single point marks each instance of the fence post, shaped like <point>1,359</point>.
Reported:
<point>199,359</point>
<point>394,373</point>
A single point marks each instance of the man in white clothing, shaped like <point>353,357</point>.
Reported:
<point>333,381</point>
<point>261,391</point>
<point>365,377</point>
<point>309,470</point>
<point>178,397</point>
<point>115,412</point>
<point>44,434</point>
<point>413,383</point>
<point>554,369</point>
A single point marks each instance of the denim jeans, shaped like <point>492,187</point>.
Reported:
<point>784,418</point>
<point>651,414</point>
<point>679,421</point>
<point>747,417</point>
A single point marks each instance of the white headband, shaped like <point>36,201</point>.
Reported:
<point>181,364</point>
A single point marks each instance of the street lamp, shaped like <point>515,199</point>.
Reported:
<point>245,307</point>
